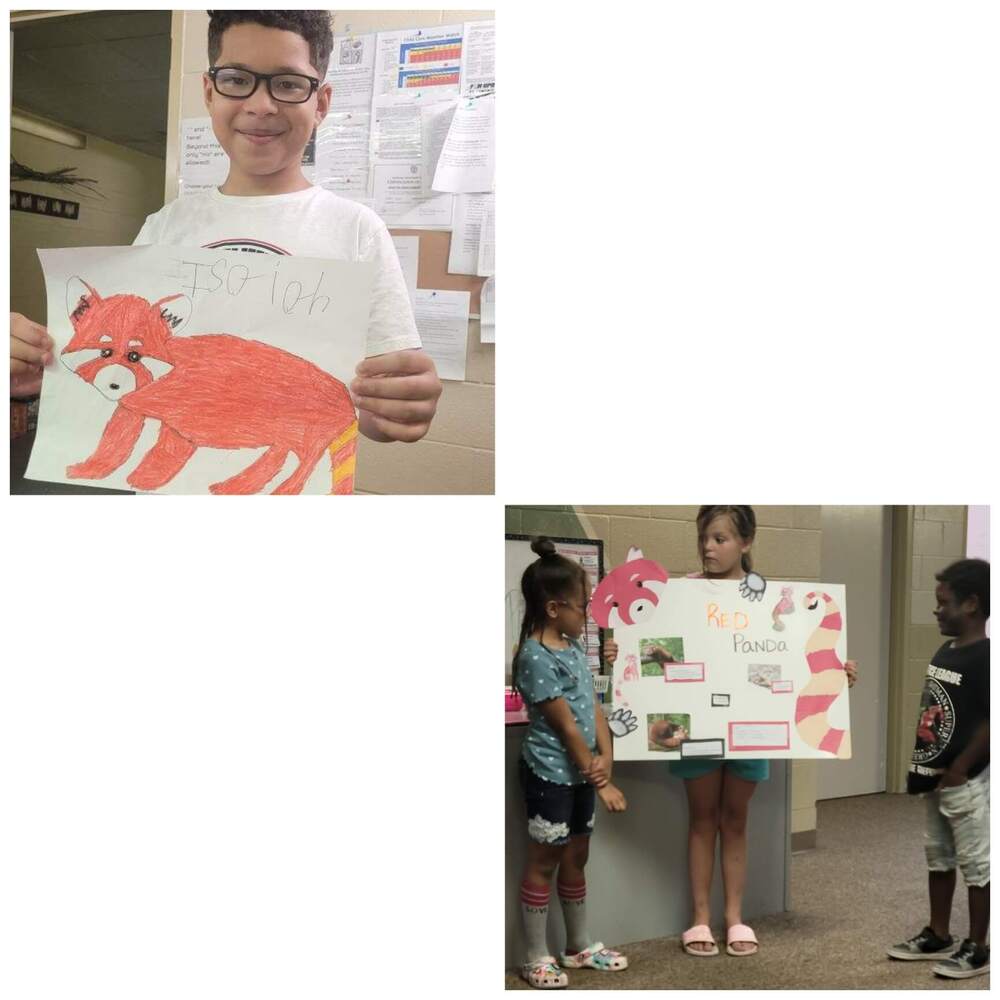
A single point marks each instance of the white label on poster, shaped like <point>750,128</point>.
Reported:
<point>684,672</point>
<point>703,748</point>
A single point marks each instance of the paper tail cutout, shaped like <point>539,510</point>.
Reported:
<point>825,685</point>
<point>342,460</point>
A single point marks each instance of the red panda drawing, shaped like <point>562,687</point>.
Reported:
<point>208,391</point>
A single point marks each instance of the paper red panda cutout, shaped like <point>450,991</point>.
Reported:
<point>629,593</point>
<point>208,391</point>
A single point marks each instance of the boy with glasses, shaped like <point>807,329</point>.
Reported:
<point>265,95</point>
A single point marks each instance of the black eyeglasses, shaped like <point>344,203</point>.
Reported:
<point>289,88</point>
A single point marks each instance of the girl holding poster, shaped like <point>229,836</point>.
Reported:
<point>565,765</point>
<point>719,792</point>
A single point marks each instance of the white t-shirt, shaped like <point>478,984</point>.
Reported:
<point>310,223</point>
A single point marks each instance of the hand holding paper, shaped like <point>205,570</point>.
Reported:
<point>30,350</point>
<point>397,395</point>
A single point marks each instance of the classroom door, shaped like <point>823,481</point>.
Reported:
<point>856,549</point>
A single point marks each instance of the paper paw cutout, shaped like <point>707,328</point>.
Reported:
<point>752,586</point>
<point>621,722</point>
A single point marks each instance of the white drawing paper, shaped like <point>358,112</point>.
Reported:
<point>201,359</point>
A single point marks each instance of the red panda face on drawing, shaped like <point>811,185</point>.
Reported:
<point>120,343</point>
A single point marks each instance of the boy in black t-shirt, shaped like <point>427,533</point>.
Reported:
<point>950,767</point>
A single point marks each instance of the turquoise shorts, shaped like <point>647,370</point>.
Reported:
<point>748,770</point>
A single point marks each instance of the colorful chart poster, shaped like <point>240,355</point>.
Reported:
<point>419,62</point>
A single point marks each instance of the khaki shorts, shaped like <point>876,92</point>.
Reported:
<point>958,829</point>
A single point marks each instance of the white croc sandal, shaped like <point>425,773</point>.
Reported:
<point>544,974</point>
<point>595,957</point>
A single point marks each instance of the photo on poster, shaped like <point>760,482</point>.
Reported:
<point>667,730</point>
<point>656,652</point>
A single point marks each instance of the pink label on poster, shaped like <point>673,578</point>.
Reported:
<point>759,736</point>
<point>682,673</point>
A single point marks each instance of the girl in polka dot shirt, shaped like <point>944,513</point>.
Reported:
<point>565,765</point>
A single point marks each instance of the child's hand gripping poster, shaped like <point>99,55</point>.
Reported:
<point>190,370</point>
<point>724,668</point>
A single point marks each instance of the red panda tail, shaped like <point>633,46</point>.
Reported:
<point>342,460</point>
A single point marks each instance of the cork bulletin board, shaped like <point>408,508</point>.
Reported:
<point>432,266</point>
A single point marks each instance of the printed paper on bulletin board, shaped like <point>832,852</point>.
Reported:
<point>432,269</point>
<point>725,669</point>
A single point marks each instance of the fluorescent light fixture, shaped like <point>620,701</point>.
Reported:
<point>47,130</point>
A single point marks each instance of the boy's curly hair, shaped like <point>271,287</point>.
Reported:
<point>969,578</point>
<point>315,26</point>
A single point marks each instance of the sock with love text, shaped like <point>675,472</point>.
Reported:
<point>535,912</point>
<point>574,906</point>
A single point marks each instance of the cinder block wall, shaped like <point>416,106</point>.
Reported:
<point>457,455</point>
<point>937,539</point>
<point>787,547</point>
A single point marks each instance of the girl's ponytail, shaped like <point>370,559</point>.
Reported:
<point>550,577</point>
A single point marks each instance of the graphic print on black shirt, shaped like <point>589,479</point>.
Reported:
<point>954,702</point>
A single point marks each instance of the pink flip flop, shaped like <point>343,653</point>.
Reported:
<point>738,934</point>
<point>700,934</point>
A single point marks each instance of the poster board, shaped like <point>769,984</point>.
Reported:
<point>589,552</point>
<point>727,669</point>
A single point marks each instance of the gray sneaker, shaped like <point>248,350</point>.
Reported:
<point>970,960</point>
<point>926,944</point>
